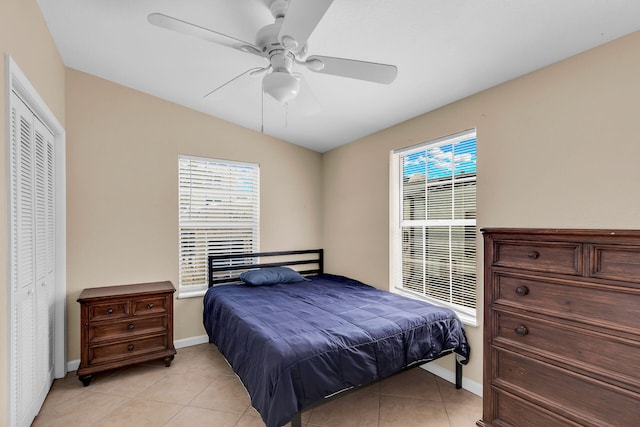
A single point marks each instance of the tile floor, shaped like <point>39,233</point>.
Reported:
<point>200,389</point>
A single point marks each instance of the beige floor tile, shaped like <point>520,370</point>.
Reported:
<point>450,394</point>
<point>84,410</point>
<point>129,381</point>
<point>200,358</point>
<point>224,393</point>
<point>402,412</point>
<point>250,421</point>
<point>200,379</point>
<point>359,408</point>
<point>59,395</point>
<point>177,387</point>
<point>200,417</point>
<point>415,383</point>
<point>140,413</point>
<point>464,415</point>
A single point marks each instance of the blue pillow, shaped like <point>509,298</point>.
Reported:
<point>270,276</point>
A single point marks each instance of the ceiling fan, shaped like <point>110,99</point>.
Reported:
<point>284,44</point>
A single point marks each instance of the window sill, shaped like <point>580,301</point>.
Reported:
<point>466,318</point>
<point>188,293</point>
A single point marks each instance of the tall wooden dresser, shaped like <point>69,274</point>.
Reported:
<point>561,328</point>
<point>123,325</point>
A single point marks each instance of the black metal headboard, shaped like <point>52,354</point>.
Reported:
<point>227,268</point>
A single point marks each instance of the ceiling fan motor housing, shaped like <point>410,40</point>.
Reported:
<point>279,84</point>
<point>278,8</point>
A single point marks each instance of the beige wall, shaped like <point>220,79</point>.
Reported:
<point>122,187</point>
<point>556,148</point>
<point>25,37</point>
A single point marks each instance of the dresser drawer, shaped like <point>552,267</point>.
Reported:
<point>126,349</point>
<point>126,328</point>
<point>110,310</point>
<point>573,346</point>
<point>588,401</point>
<point>149,305</point>
<point>511,411</point>
<point>550,257</point>
<point>616,262</point>
<point>590,303</point>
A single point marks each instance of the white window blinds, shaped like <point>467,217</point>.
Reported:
<point>435,226</point>
<point>218,214</point>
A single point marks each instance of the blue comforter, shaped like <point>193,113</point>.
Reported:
<point>294,344</point>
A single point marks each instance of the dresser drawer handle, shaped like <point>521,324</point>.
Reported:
<point>533,254</point>
<point>521,330</point>
<point>110,311</point>
<point>130,347</point>
<point>130,326</point>
<point>150,306</point>
<point>522,291</point>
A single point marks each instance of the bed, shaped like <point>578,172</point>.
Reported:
<point>295,345</point>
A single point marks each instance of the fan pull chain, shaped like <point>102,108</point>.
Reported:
<point>262,112</point>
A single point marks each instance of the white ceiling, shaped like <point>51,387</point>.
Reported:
<point>445,50</point>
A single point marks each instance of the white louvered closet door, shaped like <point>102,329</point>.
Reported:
<point>32,262</point>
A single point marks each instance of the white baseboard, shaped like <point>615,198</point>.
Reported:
<point>188,342</point>
<point>72,365</point>
<point>449,375</point>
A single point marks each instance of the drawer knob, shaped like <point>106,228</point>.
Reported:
<point>521,330</point>
<point>130,347</point>
<point>533,254</point>
<point>522,291</point>
<point>110,311</point>
<point>130,326</point>
<point>150,306</point>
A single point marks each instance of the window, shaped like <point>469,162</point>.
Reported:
<point>218,214</point>
<point>433,214</point>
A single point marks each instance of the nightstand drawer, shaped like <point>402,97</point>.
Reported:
<point>550,257</point>
<point>111,310</point>
<point>126,349</point>
<point>149,305</point>
<point>127,328</point>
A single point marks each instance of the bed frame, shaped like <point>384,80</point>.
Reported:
<point>230,266</point>
<point>226,269</point>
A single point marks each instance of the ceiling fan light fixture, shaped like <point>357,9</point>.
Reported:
<point>281,85</point>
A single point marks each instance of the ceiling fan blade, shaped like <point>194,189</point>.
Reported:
<point>361,70</point>
<point>251,71</point>
<point>301,18</point>
<point>184,27</point>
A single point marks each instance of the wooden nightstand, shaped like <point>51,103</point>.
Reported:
<point>123,325</point>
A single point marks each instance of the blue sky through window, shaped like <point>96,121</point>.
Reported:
<point>443,160</point>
